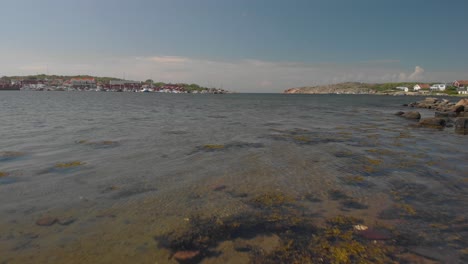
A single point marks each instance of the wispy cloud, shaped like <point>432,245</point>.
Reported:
<point>36,68</point>
<point>383,61</point>
<point>168,59</point>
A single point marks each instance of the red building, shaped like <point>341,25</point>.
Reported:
<point>460,83</point>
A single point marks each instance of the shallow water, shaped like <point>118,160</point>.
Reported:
<point>132,171</point>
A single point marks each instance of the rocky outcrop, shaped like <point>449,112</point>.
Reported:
<point>463,102</point>
<point>341,88</point>
<point>447,114</point>
<point>412,115</point>
<point>433,122</point>
<point>442,105</point>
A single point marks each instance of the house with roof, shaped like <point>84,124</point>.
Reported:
<point>460,83</point>
<point>124,84</point>
<point>462,90</point>
<point>421,86</point>
<point>83,82</point>
<point>438,87</point>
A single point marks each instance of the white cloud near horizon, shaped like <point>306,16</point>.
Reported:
<point>248,75</point>
<point>167,59</point>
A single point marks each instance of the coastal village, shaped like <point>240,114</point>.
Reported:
<point>458,87</point>
<point>88,83</point>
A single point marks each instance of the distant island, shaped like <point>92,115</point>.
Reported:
<point>43,82</point>
<point>403,88</point>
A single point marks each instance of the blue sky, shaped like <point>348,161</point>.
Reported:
<point>243,45</point>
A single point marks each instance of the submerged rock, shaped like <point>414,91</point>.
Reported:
<point>71,164</point>
<point>186,255</point>
<point>46,221</point>
<point>7,155</point>
<point>99,144</point>
<point>375,234</point>
<point>412,115</point>
<point>218,188</point>
<point>66,221</point>
<point>445,114</point>
<point>434,122</point>
<point>461,123</point>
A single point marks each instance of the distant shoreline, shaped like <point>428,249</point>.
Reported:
<point>397,89</point>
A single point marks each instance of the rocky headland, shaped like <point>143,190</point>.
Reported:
<point>447,114</point>
<point>340,88</point>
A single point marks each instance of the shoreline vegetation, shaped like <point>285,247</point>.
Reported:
<point>377,89</point>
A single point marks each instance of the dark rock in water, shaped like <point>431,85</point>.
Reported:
<point>459,108</point>
<point>445,114</point>
<point>186,255</point>
<point>412,115</point>
<point>46,221</point>
<point>434,122</point>
<point>405,104</point>
<point>353,204</point>
<point>312,198</point>
<point>376,234</point>
<point>461,124</point>
<point>337,195</point>
<point>399,113</point>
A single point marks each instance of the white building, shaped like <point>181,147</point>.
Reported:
<point>462,90</point>
<point>402,88</point>
<point>438,87</point>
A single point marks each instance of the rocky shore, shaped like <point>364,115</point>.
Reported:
<point>340,88</point>
<point>448,114</point>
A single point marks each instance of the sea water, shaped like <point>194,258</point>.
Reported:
<point>139,177</point>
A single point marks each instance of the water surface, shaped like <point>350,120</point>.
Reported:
<point>132,171</point>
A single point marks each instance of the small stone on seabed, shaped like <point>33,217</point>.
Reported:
<point>360,227</point>
<point>66,221</point>
<point>218,188</point>
<point>186,255</point>
<point>46,221</point>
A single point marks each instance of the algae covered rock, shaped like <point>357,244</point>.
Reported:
<point>66,165</point>
<point>7,155</point>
